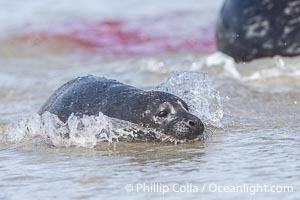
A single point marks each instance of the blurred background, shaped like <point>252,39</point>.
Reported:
<point>110,28</point>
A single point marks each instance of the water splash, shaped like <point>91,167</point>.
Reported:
<point>84,132</point>
<point>81,132</point>
<point>196,89</point>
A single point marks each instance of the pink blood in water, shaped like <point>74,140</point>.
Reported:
<point>120,38</point>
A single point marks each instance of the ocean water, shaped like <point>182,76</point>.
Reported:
<point>251,110</point>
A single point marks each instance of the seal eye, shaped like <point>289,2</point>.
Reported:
<point>163,113</point>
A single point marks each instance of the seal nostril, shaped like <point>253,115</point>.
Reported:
<point>191,123</point>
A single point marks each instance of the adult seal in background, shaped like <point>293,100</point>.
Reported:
<point>90,95</point>
<point>248,29</point>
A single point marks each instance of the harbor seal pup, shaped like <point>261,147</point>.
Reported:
<point>158,110</point>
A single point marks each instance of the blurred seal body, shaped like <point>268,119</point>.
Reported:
<point>249,29</point>
<point>91,95</point>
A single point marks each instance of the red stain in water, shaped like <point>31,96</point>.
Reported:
<point>118,38</point>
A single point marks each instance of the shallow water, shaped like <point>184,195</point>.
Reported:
<point>258,144</point>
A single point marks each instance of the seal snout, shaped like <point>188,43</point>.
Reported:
<point>196,127</point>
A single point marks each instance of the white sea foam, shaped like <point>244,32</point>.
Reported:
<point>259,69</point>
<point>224,60</point>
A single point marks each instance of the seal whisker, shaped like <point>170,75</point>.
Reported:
<point>208,132</point>
<point>165,140</point>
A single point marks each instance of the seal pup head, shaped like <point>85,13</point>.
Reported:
<point>170,115</point>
